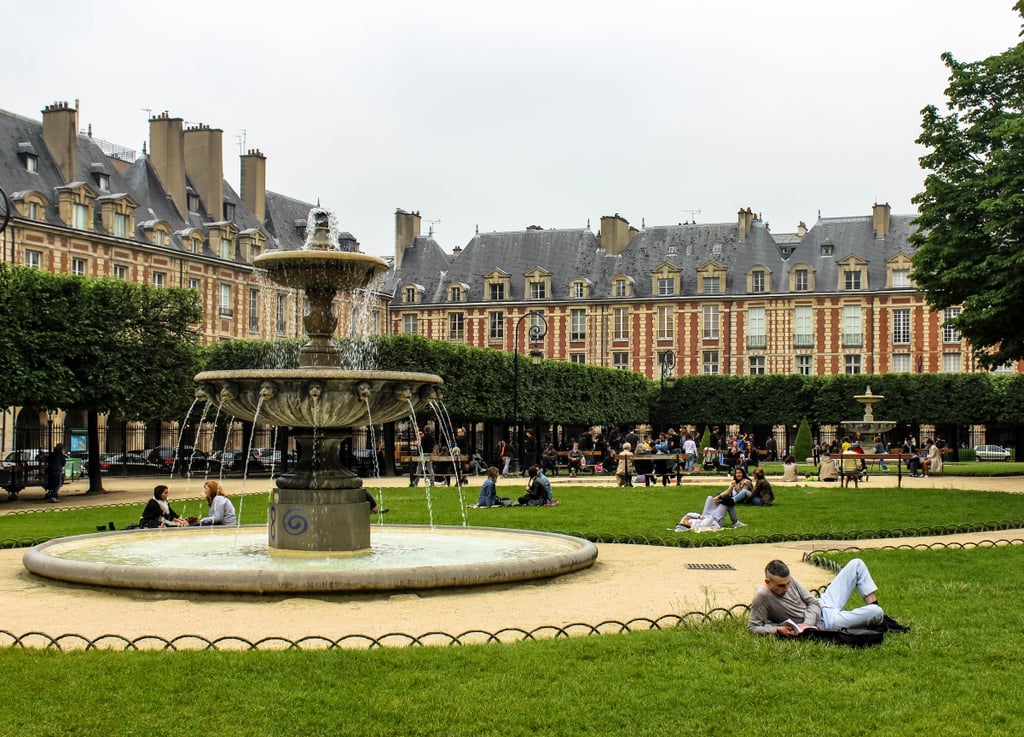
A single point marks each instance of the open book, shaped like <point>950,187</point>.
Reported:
<point>800,627</point>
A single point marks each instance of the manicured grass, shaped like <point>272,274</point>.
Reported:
<point>638,512</point>
<point>957,672</point>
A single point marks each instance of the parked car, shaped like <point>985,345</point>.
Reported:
<point>166,456</point>
<point>126,464</point>
<point>272,456</point>
<point>991,453</point>
<point>26,457</point>
<point>234,460</point>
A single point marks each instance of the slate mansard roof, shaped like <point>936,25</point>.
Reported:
<point>572,254</point>
<point>138,179</point>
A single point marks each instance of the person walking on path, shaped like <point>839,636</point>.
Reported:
<point>55,472</point>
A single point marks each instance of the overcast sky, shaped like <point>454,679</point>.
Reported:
<point>504,115</point>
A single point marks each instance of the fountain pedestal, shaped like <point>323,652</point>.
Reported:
<point>319,522</point>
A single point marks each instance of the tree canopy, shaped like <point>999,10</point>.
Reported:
<point>970,241</point>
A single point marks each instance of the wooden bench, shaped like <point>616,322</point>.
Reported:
<point>846,476</point>
<point>593,460</point>
<point>445,466</point>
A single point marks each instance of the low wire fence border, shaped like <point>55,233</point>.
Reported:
<point>507,635</point>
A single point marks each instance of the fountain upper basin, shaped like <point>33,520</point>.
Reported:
<point>320,397</point>
<point>237,560</point>
<point>302,268</point>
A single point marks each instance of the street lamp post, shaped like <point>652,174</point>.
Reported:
<point>536,332</point>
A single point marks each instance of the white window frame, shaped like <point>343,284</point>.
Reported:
<point>577,324</point>
<point>620,323</point>
<point>666,322</point>
<point>711,318</point>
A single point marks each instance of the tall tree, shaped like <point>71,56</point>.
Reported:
<point>101,345</point>
<point>970,242</point>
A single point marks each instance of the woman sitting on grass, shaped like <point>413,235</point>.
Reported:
<point>789,469</point>
<point>763,495</point>
<point>488,491</point>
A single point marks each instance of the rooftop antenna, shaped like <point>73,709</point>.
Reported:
<point>148,111</point>
<point>240,137</point>
<point>692,213</point>
<point>430,230</point>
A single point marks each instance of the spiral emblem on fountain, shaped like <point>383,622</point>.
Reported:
<point>294,522</point>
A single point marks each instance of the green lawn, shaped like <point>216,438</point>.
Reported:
<point>957,672</point>
<point>638,512</point>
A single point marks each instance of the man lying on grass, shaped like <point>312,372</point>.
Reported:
<point>783,607</point>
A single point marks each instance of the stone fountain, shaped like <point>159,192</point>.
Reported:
<point>869,426</point>
<point>320,507</point>
<point>318,537</point>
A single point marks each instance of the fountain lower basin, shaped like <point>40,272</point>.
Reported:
<point>237,560</point>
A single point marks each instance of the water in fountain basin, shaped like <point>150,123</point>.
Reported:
<point>247,550</point>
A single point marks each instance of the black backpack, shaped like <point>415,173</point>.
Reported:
<point>850,636</point>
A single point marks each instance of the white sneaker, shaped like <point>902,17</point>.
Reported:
<point>740,524</point>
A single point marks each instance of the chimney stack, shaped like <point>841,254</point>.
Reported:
<point>615,234</point>
<point>60,134</point>
<point>254,183</point>
<point>407,230</point>
<point>167,155</point>
<point>880,219</point>
<point>204,166</point>
<point>745,221</point>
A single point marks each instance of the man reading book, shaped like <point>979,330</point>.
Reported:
<point>783,607</point>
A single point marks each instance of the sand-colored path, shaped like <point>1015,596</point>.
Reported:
<point>628,582</point>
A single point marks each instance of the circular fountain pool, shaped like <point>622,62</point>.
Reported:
<point>238,560</point>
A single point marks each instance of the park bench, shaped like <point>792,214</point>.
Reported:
<point>898,458</point>
<point>445,466</point>
<point>593,458</point>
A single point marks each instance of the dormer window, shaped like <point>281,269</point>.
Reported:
<point>898,272</point>
<point>120,225</point>
<point>226,248</point>
<point>759,280</point>
<point>853,274</point>
<point>622,286</point>
<point>801,278</point>
<point>496,285</point>
<point>193,201</point>
<point>458,292</point>
<point>538,283</point>
<point>29,159</point>
<point>712,285</point>
<point>103,182</point>
<point>827,248</point>
<point>579,289</point>
<point>30,204</point>
<point>665,280</point>
<point>229,211</point>
<point>412,294</point>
